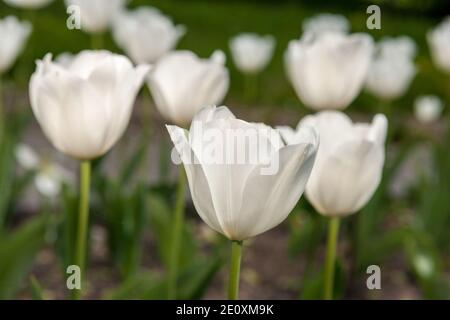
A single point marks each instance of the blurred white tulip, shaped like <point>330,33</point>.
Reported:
<point>28,4</point>
<point>49,176</point>
<point>97,15</point>
<point>349,161</point>
<point>251,52</point>
<point>439,43</point>
<point>428,108</point>
<point>327,71</point>
<point>13,35</point>
<point>145,34</point>
<point>64,59</point>
<point>235,198</point>
<point>84,108</point>
<point>181,84</point>
<point>392,69</point>
<point>403,46</point>
<point>326,22</point>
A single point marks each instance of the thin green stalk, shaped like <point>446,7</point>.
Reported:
<point>2,113</point>
<point>235,270</point>
<point>83,220</point>
<point>97,41</point>
<point>176,235</point>
<point>250,87</point>
<point>333,231</point>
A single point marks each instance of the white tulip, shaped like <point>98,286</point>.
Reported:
<point>326,22</point>
<point>49,176</point>
<point>403,46</point>
<point>251,52</point>
<point>390,77</point>
<point>84,108</point>
<point>234,197</point>
<point>28,4</point>
<point>349,161</point>
<point>145,34</point>
<point>96,15</point>
<point>13,35</point>
<point>327,71</point>
<point>181,84</point>
<point>64,59</point>
<point>392,69</point>
<point>428,108</point>
<point>439,43</point>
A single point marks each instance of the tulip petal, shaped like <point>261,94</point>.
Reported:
<point>279,192</point>
<point>198,185</point>
<point>347,178</point>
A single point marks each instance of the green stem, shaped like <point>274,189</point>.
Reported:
<point>250,87</point>
<point>83,220</point>
<point>333,231</point>
<point>235,270</point>
<point>2,113</point>
<point>97,42</point>
<point>177,232</point>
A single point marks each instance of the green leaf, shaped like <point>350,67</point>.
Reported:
<point>36,289</point>
<point>160,216</point>
<point>146,285</point>
<point>195,279</point>
<point>17,252</point>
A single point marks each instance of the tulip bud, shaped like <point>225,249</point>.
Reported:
<point>251,52</point>
<point>438,41</point>
<point>13,35</point>
<point>349,161</point>
<point>225,160</point>
<point>326,22</point>
<point>28,4</point>
<point>328,70</point>
<point>392,69</point>
<point>85,107</point>
<point>428,108</point>
<point>97,15</point>
<point>181,84</point>
<point>145,34</point>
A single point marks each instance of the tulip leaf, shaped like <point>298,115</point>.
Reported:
<point>196,277</point>
<point>160,216</point>
<point>17,252</point>
<point>146,285</point>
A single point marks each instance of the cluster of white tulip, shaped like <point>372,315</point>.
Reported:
<point>83,103</point>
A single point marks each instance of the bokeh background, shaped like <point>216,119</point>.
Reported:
<point>405,232</point>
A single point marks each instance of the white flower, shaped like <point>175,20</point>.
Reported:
<point>96,15</point>
<point>28,4</point>
<point>251,52</point>
<point>181,84</point>
<point>84,108</point>
<point>64,59</point>
<point>392,70</point>
<point>13,35</point>
<point>349,161</point>
<point>428,108</point>
<point>326,22</point>
<point>235,198</point>
<point>145,34</point>
<point>327,71</point>
<point>439,43</point>
<point>49,176</point>
<point>403,46</point>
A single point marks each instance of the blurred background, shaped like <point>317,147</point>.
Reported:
<point>404,229</point>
